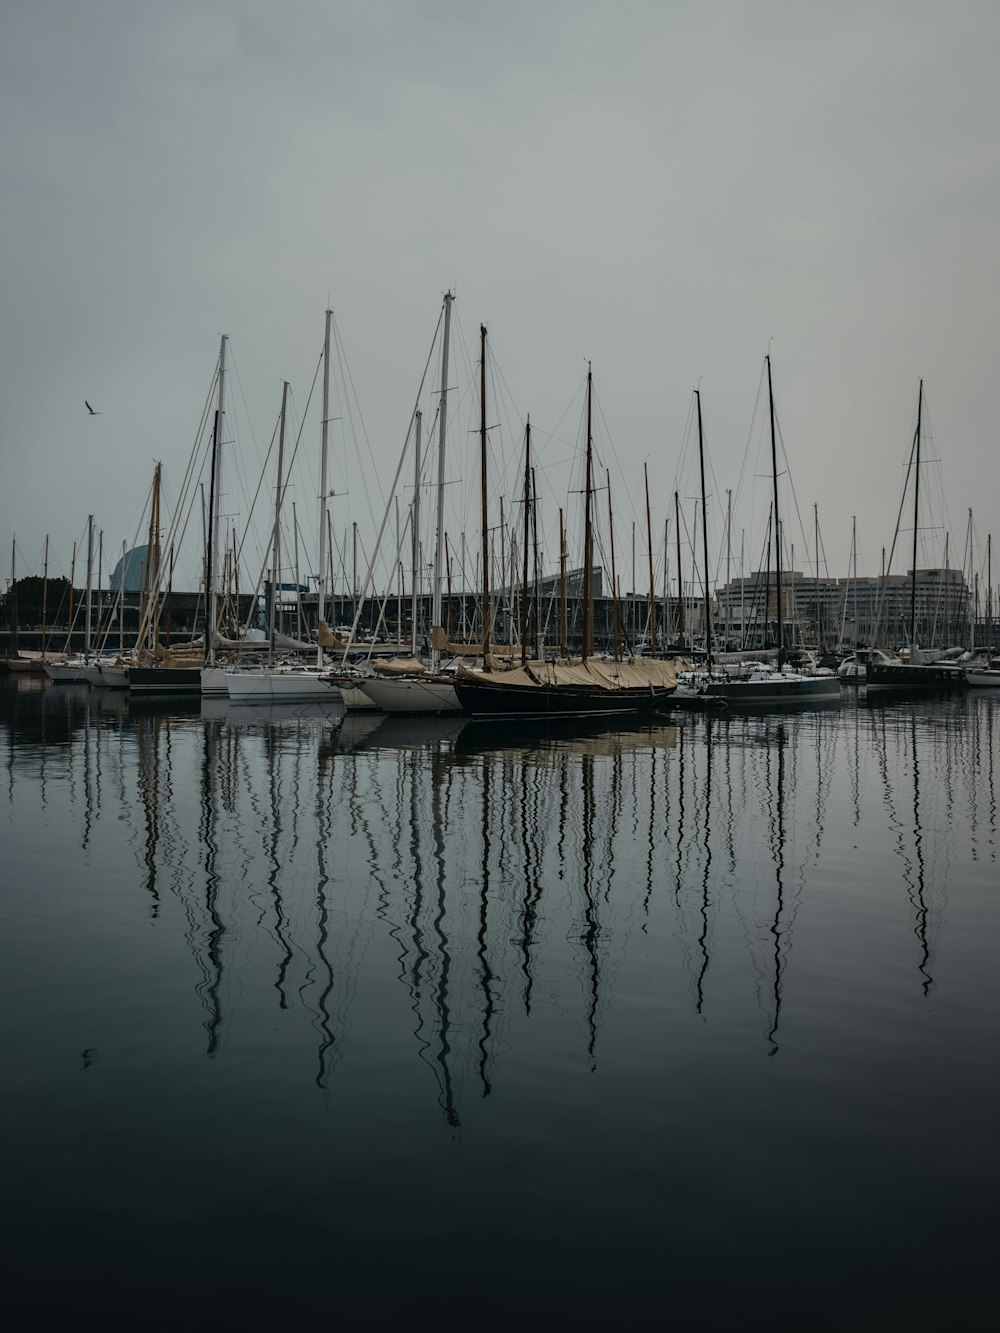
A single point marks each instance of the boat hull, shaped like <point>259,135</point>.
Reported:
<point>983,680</point>
<point>164,680</point>
<point>487,699</point>
<point>280,687</point>
<point>394,695</point>
<point>114,677</point>
<point>807,689</point>
<point>64,672</point>
<point>899,677</point>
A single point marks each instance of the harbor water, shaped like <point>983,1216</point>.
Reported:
<point>380,1020</point>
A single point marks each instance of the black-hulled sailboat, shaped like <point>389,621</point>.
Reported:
<point>585,687</point>
<point>884,674</point>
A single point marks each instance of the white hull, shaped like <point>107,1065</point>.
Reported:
<point>65,672</point>
<point>213,681</point>
<point>92,675</point>
<point>983,680</point>
<point>412,696</point>
<point>280,687</point>
<point>114,677</point>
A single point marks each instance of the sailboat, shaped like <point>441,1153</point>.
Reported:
<point>986,673</point>
<point>292,682</point>
<point>72,670</point>
<point>405,689</point>
<point>587,687</point>
<point>884,674</point>
<point>756,684</point>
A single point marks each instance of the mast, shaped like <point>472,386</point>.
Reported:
<point>442,422</point>
<point>704,537</point>
<point>989,599</point>
<point>213,512</point>
<point>527,534</point>
<point>777,524</point>
<point>616,610</point>
<point>415,535</point>
<point>819,626</point>
<point>276,536</point>
<point>563,625</point>
<point>45,596</point>
<point>916,512</point>
<point>100,602</point>
<point>121,604</point>
<point>652,589</point>
<point>729,561</point>
<point>323,489</point>
<point>680,577</point>
<point>536,628</point>
<point>587,648</point>
<point>484,517</point>
<point>13,588</point>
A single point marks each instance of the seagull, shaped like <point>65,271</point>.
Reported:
<point>91,410</point>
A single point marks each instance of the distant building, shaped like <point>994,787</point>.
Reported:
<point>131,569</point>
<point>858,609</point>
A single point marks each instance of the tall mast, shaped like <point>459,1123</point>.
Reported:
<point>45,596</point>
<point>536,632</point>
<point>652,590</point>
<point>483,479</point>
<point>323,491</point>
<point>100,562</point>
<point>563,626</point>
<point>777,524</point>
<point>729,561</point>
<point>527,534</point>
<point>415,534</point>
<point>211,572</point>
<point>90,585</point>
<point>276,536</point>
<point>680,576</point>
<point>989,599</point>
<point>442,422</point>
<point>704,538</point>
<point>121,603</point>
<point>587,648</point>
<point>819,624</point>
<point>916,512</point>
<point>13,588</point>
<point>616,610</point>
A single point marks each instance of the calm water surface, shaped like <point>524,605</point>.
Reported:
<point>379,1018</point>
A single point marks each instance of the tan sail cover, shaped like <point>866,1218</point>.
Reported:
<point>399,666</point>
<point>637,673</point>
<point>329,638</point>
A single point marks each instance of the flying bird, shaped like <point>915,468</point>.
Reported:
<point>91,410</point>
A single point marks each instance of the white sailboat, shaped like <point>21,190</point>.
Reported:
<point>292,682</point>
<point>425,691</point>
<point>755,683</point>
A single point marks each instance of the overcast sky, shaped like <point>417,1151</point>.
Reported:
<point>664,188</point>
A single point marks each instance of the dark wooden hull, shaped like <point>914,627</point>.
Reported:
<point>483,698</point>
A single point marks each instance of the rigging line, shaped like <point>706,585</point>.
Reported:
<point>750,433</point>
<point>618,463</point>
<point>170,539</point>
<point>345,366</point>
<point>395,480</point>
<point>236,372</point>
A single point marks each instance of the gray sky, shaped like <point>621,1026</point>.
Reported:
<point>660,187</point>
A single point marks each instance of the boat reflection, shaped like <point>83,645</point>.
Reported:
<point>465,893</point>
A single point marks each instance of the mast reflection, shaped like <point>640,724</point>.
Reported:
<point>465,893</point>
